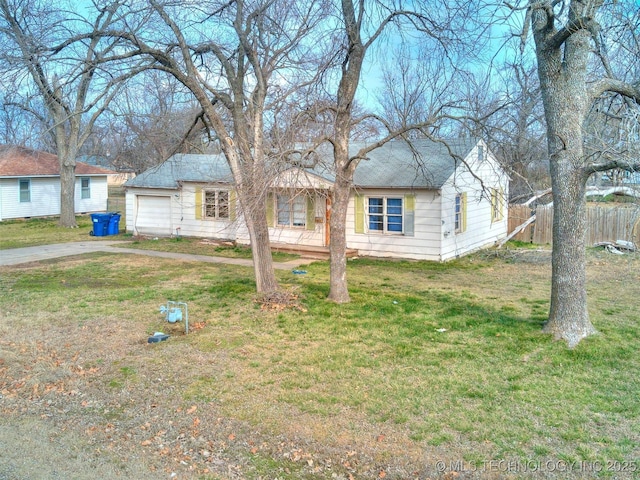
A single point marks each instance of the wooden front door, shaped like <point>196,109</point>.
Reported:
<point>327,223</point>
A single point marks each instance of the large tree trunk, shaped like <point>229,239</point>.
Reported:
<point>352,67</point>
<point>338,289</point>
<point>256,219</point>
<point>67,190</point>
<point>562,69</point>
<point>563,85</point>
<point>568,316</point>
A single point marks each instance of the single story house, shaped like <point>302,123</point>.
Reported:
<point>30,184</point>
<point>425,200</point>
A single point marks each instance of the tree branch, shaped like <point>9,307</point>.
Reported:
<point>625,89</point>
<point>583,23</point>
<point>613,163</point>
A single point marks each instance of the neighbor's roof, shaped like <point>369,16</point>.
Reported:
<point>397,164</point>
<point>18,161</point>
<point>184,168</point>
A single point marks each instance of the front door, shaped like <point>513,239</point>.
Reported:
<point>327,223</point>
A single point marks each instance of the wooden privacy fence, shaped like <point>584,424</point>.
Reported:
<point>604,223</point>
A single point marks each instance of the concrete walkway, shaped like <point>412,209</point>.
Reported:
<point>17,256</point>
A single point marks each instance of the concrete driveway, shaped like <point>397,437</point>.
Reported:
<point>17,256</point>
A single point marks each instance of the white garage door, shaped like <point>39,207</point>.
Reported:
<point>153,215</point>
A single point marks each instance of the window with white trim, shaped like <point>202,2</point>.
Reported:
<point>85,187</point>
<point>216,204</point>
<point>291,210</point>
<point>460,213</point>
<point>384,214</point>
<point>25,190</point>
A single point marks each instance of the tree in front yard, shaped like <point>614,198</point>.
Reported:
<point>62,54</point>
<point>238,59</point>
<point>360,26</point>
<point>573,52</point>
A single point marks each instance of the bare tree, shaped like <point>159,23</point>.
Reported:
<point>419,86</point>
<point>575,71</point>
<point>515,133</point>
<point>258,45</point>
<point>362,24</point>
<point>16,126</point>
<point>612,127</point>
<point>67,72</point>
<point>152,119</point>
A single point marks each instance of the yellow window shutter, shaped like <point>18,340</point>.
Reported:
<point>311,212</point>
<point>232,205</point>
<point>359,213</point>
<point>198,203</point>
<point>270,212</point>
<point>409,215</point>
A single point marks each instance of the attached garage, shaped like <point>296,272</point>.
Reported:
<point>152,215</point>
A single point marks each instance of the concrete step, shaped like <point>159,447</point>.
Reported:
<point>305,251</point>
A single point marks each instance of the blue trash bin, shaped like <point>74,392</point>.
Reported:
<point>114,224</point>
<point>100,224</point>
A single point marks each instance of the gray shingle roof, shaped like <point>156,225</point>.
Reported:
<point>424,164</point>
<point>184,168</point>
<point>397,164</point>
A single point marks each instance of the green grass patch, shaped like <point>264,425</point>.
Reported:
<point>42,231</point>
<point>444,356</point>
<point>197,246</point>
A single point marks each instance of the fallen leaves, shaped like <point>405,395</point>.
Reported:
<point>281,300</point>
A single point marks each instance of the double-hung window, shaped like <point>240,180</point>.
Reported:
<point>25,190</point>
<point>384,214</point>
<point>291,210</point>
<point>497,201</point>
<point>85,187</point>
<point>460,213</point>
<point>216,204</point>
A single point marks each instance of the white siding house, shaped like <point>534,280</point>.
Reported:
<point>30,185</point>
<point>427,201</point>
<point>183,196</point>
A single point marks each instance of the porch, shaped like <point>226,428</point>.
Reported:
<point>306,251</point>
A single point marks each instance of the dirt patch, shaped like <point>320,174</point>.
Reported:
<point>99,401</point>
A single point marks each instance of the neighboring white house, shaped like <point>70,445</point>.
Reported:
<point>30,184</point>
<point>427,201</point>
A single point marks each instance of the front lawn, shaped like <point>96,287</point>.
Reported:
<point>42,231</point>
<point>431,368</point>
